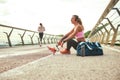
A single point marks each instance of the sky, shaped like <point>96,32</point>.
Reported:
<point>55,15</point>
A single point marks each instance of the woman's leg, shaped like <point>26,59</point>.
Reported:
<point>72,43</point>
<point>41,36</point>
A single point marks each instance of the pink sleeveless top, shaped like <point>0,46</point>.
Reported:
<point>80,34</point>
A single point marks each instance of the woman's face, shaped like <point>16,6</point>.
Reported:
<point>73,20</point>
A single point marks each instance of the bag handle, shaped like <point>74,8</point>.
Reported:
<point>82,43</point>
<point>97,44</point>
<point>88,46</point>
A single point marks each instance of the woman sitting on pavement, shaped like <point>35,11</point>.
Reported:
<point>73,38</point>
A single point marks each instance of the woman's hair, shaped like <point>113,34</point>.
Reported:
<point>41,24</point>
<point>78,19</point>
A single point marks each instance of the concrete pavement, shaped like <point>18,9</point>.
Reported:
<point>69,67</point>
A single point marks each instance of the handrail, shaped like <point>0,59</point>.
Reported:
<point>106,11</point>
<point>110,26</point>
<point>32,36</point>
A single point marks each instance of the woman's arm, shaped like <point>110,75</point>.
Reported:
<point>72,35</point>
<point>66,35</point>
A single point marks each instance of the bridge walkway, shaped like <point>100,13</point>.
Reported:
<point>62,67</point>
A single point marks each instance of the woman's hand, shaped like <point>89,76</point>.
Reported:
<point>60,43</point>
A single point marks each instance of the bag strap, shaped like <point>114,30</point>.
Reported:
<point>98,45</point>
<point>88,46</point>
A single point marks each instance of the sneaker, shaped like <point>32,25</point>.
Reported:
<point>52,49</point>
<point>65,51</point>
<point>40,45</point>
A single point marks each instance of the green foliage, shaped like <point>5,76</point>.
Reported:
<point>3,1</point>
<point>60,35</point>
<point>87,33</point>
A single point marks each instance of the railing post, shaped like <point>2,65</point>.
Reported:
<point>117,10</point>
<point>8,37</point>
<point>44,38</point>
<point>9,41</point>
<point>32,37</point>
<point>37,39</point>
<point>99,39</point>
<point>114,30</point>
<point>106,32</point>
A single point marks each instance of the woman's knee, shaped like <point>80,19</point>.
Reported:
<point>70,41</point>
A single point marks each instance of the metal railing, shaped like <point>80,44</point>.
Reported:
<point>107,29</point>
<point>13,36</point>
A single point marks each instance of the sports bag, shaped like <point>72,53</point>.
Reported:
<point>89,49</point>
